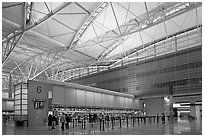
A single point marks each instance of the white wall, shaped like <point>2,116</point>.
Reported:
<point>59,95</point>
<point>75,97</point>
<point>154,106</point>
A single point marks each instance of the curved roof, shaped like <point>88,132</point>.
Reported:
<point>47,39</point>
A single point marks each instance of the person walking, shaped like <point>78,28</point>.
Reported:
<point>50,121</point>
<point>62,121</point>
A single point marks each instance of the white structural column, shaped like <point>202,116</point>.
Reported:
<point>194,109</point>
<point>171,112</point>
<point>10,86</point>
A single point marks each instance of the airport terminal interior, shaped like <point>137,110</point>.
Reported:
<point>101,68</point>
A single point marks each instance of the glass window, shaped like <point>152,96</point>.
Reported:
<point>17,96</point>
<point>24,101</point>
<point>18,91</point>
<point>17,112</point>
<point>24,96</point>
<point>24,91</point>
<point>24,106</point>
<point>24,112</point>
<point>17,107</point>
<point>17,86</point>
<point>24,85</point>
<point>17,102</point>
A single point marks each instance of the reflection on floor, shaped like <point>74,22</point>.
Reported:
<point>178,127</point>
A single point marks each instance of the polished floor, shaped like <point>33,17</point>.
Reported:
<point>180,126</point>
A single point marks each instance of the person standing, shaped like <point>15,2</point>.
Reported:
<point>62,121</point>
<point>67,121</point>
<point>157,118</point>
<point>4,119</point>
<point>163,118</point>
<point>56,119</point>
<point>53,121</point>
<point>50,121</point>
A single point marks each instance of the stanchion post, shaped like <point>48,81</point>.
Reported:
<point>144,119</point>
<point>73,122</point>
<point>82,123</point>
<point>133,121</point>
<point>100,124</point>
<point>112,122</point>
<point>157,118</point>
<point>127,121</point>
<point>120,122</point>
<point>103,124</point>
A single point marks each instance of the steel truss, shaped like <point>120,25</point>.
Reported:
<point>49,61</point>
<point>46,60</point>
<point>87,23</point>
<point>153,17</point>
<point>131,55</point>
<point>10,41</point>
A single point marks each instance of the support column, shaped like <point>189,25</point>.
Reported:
<point>71,74</point>
<point>98,69</point>
<point>88,71</point>
<point>10,86</point>
<point>171,111</point>
<point>192,108</point>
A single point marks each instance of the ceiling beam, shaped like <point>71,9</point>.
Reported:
<point>20,71</point>
<point>10,46</point>
<point>147,11</point>
<point>135,50</point>
<point>115,17</point>
<point>87,23</point>
<point>27,28</point>
<point>14,5</point>
<point>81,7</point>
<point>50,64</point>
<point>156,22</point>
<point>39,22</point>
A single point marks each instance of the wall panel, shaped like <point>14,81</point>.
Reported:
<point>111,100</point>
<point>105,100</point>
<point>97,99</point>
<point>70,97</point>
<point>89,98</point>
<point>80,97</point>
<point>58,95</point>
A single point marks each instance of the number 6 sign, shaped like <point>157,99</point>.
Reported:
<point>38,89</point>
